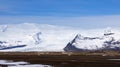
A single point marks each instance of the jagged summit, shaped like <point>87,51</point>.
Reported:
<point>108,41</point>
<point>108,31</point>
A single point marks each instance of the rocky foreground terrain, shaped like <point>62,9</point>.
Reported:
<point>66,59</point>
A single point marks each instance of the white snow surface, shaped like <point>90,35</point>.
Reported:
<point>11,63</point>
<point>37,37</point>
<point>5,62</point>
<point>31,65</point>
<point>43,37</point>
<point>98,40</point>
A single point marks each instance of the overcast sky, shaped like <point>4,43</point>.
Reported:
<point>76,13</point>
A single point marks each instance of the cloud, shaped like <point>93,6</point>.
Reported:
<point>81,22</point>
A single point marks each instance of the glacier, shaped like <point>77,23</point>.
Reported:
<point>27,37</point>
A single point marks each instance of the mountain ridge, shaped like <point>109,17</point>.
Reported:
<point>42,37</point>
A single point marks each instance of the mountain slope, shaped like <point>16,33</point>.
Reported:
<point>36,37</point>
<point>109,41</point>
<point>43,37</point>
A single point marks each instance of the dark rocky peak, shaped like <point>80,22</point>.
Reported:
<point>37,38</point>
<point>108,32</point>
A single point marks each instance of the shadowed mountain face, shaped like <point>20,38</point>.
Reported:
<point>106,42</point>
<point>71,47</point>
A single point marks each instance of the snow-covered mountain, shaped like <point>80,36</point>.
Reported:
<point>43,37</point>
<point>108,41</point>
<point>34,37</point>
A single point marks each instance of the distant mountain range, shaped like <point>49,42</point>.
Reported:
<point>43,37</point>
